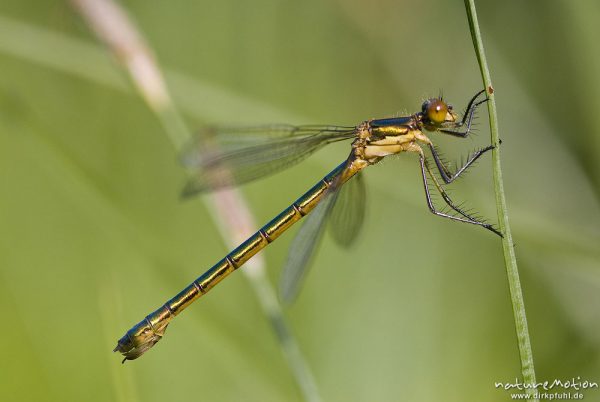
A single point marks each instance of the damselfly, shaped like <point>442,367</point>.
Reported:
<point>260,151</point>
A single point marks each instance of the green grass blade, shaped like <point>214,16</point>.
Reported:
<point>510,261</point>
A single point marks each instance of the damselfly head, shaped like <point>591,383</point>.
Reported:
<point>436,112</point>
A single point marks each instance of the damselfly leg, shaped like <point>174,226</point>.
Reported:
<point>467,119</point>
<point>467,218</point>
<point>445,173</point>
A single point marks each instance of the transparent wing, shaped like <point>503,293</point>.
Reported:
<point>303,247</point>
<point>236,156</point>
<point>348,216</point>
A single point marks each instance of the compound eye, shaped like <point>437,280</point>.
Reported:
<point>437,111</point>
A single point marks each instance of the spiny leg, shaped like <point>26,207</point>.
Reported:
<point>445,195</point>
<point>449,177</point>
<point>425,169</point>
<point>467,117</point>
<point>467,218</point>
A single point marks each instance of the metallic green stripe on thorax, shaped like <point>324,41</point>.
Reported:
<point>378,138</point>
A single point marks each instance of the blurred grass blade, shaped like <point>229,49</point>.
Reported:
<point>109,302</point>
<point>230,210</point>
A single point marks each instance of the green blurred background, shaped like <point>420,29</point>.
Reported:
<point>94,235</point>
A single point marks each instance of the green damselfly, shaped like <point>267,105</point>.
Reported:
<point>259,151</point>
